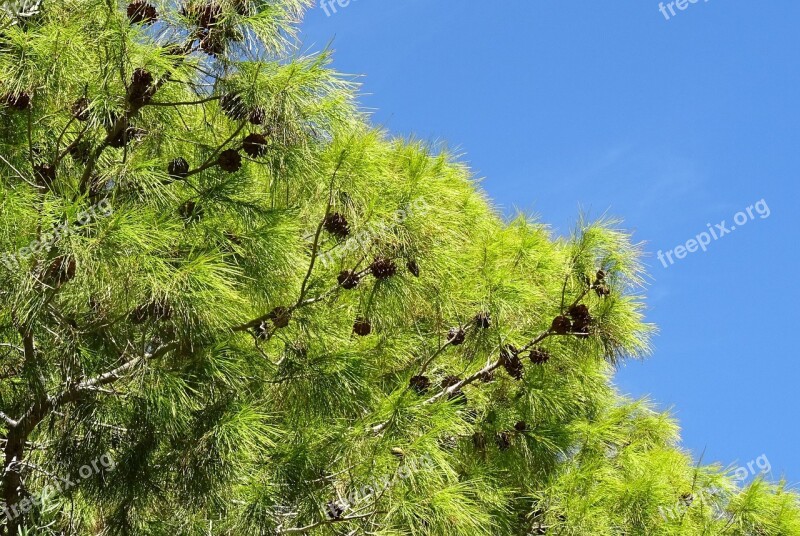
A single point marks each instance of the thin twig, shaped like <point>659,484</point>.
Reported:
<point>184,103</point>
<point>300,530</point>
<point>315,248</point>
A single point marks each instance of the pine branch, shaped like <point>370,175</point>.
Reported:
<point>312,526</point>
<point>299,305</point>
<point>471,379</point>
<point>212,160</point>
<point>315,248</point>
<point>8,420</point>
<point>444,347</point>
<point>185,103</point>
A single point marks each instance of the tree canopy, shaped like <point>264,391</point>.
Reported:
<point>249,311</point>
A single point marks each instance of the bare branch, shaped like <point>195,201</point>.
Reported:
<point>8,420</point>
<point>344,519</point>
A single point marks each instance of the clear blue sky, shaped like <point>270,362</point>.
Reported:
<point>668,124</point>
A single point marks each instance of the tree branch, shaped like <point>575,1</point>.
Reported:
<point>8,420</point>
<point>315,248</point>
<point>442,348</point>
<point>300,530</point>
<point>185,103</point>
<point>471,379</point>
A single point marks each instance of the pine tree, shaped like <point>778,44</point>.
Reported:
<point>268,317</point>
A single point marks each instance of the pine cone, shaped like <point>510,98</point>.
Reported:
<point>142,78</point>
<point>139,315</point>
<point>413,267</point>
<point>348,279</point>
<point>213,43</point>
<point>601,275</point>
<point>483,320</point>
<point>257,116</point>
<point>233,106</point>
<point>561,325</point>
<point>337,225</point>
<point>140,12</point>
<point>362,327</point>
<point>280,317</point>
<point>141,90</point>
<point>509,359</point>
<point>255,145</point>
<point>383,268</point>
<point>581,319</point>
<point>18,101</point>
<point>229,160</point>
<point>521,426</point>
<point>178,169</point>
<point>479,441</point>
<point>420,384</point>
<point>80,109</point>
<point>208,15</point>
<point>456,336</point>
<point>60,271</point>
<point>539,356</point>
<point>45,175</point>
<point>581,324</point>
<point>449,381</point>
<point>503,440</point>
<point>578,311</point>
<point>602,290</point>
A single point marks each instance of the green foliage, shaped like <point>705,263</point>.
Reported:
<point>199,330</point>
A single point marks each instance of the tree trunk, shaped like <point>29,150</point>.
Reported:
<point>12,481</point>
<point>13,492</point>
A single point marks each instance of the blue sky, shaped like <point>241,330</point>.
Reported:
<point>669,124</point>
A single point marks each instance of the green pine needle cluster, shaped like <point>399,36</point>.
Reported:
<point>280,320</point>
